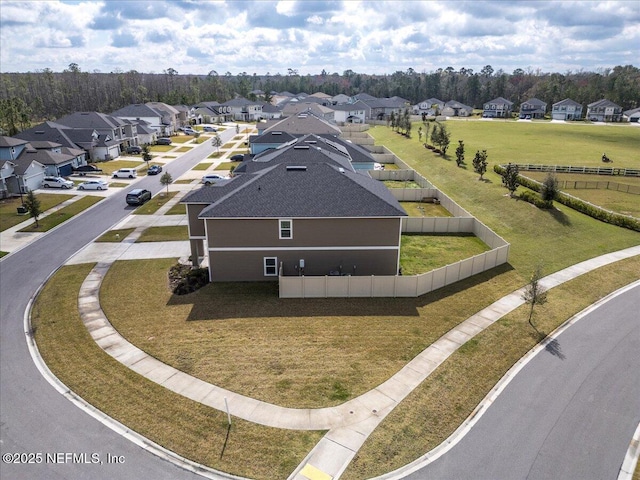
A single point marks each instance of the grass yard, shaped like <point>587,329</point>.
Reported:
<point>177,209</point>
<point>9,215</point>
<point>112,165</point>
<point>56,218</point>
<point>181,139</point>
<point>229,145</point>
<point>424,209</point>
<point>444,400</point>
<point>202,166</point>
<point>164,234</point>
<point>292,352</point>
<point>556,238</point>
<point>215,155</point>
<point>184,149</point>
<point>153,205</point>
<point>400,184</point>
<point>184,181</point>
<point>161,148</point>
<point>118,184</point>
<point>227,165</point>
<point>188,428</point>
<point>115,236</point>
<point>620,202</point>
<point>421,253</point>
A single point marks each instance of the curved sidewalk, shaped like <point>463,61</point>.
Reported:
<point>350,423</point>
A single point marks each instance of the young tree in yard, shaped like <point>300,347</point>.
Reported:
<point>146,155</point>
<point>197,135</point>
<point>426,133</point>
<point>534,293</point>
<point>237,128</point>
<point>216,141</point>
<point>510,178</point>
<point>480,163</point>
<point>460,153</point>
<point>445,139</point>
<point>392,120</point>
<point>549,190</point>
<point>32,204</point>
<point>420,134</point>
<point>166,180</point>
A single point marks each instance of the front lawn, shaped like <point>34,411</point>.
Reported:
<point>8,208</point>
<point>164,234</point>
<point>202,166</point>
<point>115,236</point>
<point>62,215</point>
<point>153,205</point>
<point>425,209</point>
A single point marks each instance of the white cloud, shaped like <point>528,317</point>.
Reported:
<point>364,36</point>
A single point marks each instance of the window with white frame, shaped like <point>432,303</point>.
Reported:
<point>286,229</point>
<point>270,266</point>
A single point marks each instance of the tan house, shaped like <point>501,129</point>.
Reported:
<point>298,210</point>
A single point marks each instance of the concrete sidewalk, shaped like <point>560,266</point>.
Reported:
<point>350,423</point>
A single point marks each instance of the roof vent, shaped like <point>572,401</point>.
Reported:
<point>276,133</point>
<point>296,168</point>
<point>301,147</point>
<point>311,141</point>
<point>341,170</point>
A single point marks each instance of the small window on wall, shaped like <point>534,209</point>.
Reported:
<point>286,229</point>
<point>270,266</point>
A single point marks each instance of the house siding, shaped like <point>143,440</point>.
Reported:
<point>237,247</point>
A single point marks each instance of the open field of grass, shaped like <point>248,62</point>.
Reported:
<point>556,238</point>
<point>444,400</point>
<point>192,430</point>
<point>62,215</point>
<point>421,253</point>
<point>164,234</point>
<point>155,203</point>
<point>8,208</point>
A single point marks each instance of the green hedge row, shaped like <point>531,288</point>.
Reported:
<point>572,202</point>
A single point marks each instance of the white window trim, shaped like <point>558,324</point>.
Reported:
<point>290,229</point>
<point>274,266</point>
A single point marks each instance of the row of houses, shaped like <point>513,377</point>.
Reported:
<point>567,110</point>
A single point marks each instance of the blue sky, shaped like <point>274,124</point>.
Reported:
<point>376,37</point>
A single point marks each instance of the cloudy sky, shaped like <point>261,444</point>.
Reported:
<point>377,37</point>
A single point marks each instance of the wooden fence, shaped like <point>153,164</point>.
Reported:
<point>625,172</point>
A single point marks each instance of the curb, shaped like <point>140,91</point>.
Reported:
<point>488,400</point>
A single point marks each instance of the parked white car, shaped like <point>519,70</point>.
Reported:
<point>213,178</point>
<point>125,173</point>
<point>56,182</point>
<point>93,185</point>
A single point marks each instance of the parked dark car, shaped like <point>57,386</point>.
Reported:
<point>84,169</point>
<point>237,158</point>
<point>138,196</point>
<point>164,141</point>
<point>154,170</point>
<point>136,150</point>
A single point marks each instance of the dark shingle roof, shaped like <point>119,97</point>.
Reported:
<point>137,110</point>
<point>310,177</point>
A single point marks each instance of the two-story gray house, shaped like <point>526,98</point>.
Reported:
<point>604,111</point>
<point>566,110</point>
<point>298,210</point>
<point>533,108</point>
<point>497,108</point>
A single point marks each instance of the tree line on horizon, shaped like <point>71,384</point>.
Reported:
<point>46,95</point>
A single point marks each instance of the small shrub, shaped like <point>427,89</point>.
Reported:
<point>184,279</point>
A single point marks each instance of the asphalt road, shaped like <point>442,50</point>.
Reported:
<point>570,413</point>
<point>34,418</point>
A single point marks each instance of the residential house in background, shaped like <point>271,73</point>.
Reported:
<point>453,108</point>
<point>297,210</point>
<point>566,110</point>
<point>633,115</point>
<point>59,161</point>
<point>137,112</point>
<point>357,112</point>
<point>245,110</point>
<point>533,108</point>
<point>271,112</point>
<point>212,112</point>
<point>382,108</point>
<point>290,109</point>
<point>604,111</point>
<point>497,108</point>
<point>170,117</point>
<point>430,106</point>
<point>340,99</point>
